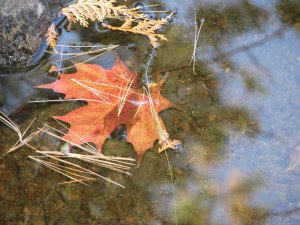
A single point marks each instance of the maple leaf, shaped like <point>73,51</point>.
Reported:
<point>113,98</point>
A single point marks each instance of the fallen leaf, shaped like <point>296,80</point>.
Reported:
<point>113,98</point>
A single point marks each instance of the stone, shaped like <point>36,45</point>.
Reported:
<point>22,28</point>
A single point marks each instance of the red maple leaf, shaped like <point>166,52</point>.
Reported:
<point>113,98</point>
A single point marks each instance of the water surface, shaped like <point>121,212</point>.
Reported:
<point>238,121</point>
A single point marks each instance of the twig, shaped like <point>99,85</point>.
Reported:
<point>164,138</point>
<point>196,39</point>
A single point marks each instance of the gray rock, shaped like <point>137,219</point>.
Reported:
<point>23,25</point>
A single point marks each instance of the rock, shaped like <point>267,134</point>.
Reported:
<point>22,28</point>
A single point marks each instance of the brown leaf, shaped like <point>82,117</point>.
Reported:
<point>113,98</point>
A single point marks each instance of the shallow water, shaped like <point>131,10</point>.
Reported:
<point>239,123</point>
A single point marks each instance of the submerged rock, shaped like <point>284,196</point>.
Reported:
<point>22,28</point>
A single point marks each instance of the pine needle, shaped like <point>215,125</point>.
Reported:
<point>196,40</point>
<point>94,57</point>
<point>21,141</point>
<point>124,94</point>
<point>78,173</point>
<point>73,171</point>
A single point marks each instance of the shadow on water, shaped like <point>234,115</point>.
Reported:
<point>238,119</point>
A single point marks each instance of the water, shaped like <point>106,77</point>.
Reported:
<point>238,120</point>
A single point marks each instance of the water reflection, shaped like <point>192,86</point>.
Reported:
<point>238,120</point>
<point>289,13</point>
